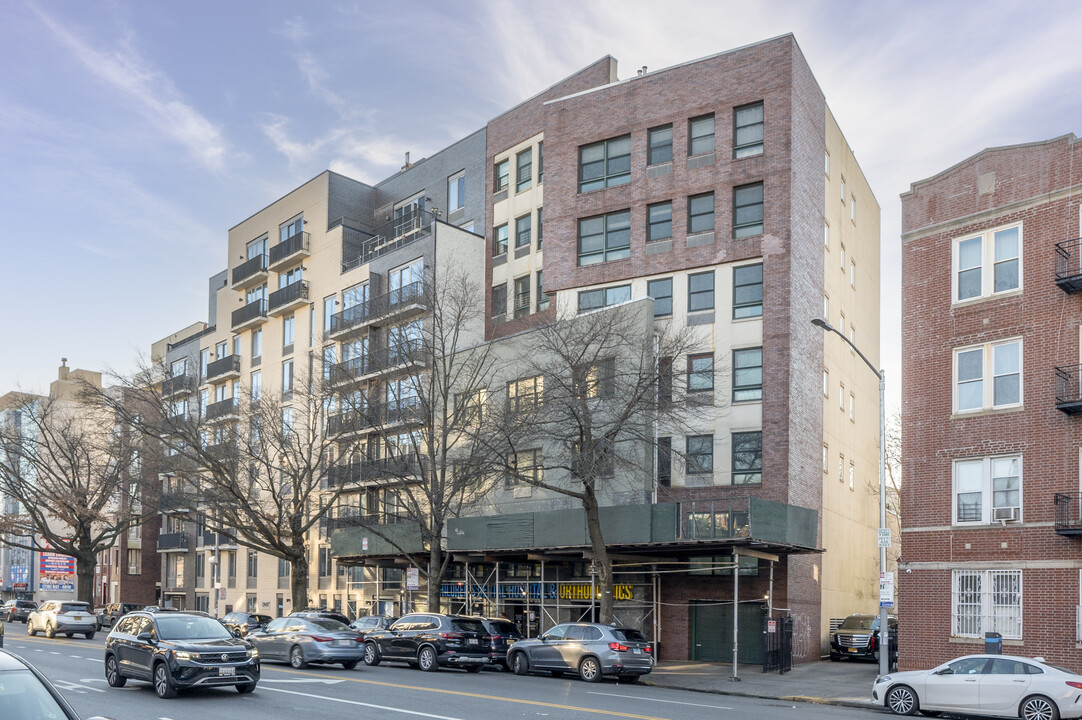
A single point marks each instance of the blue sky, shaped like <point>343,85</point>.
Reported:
<point>134,134</point>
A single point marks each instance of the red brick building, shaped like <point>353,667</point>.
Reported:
<point>991,442</point>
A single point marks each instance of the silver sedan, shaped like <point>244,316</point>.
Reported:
<point>300,641</point>
<point>989,685</point>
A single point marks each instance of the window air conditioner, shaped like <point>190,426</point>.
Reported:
<point>1005,514</point>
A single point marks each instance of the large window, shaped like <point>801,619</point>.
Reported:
<point>988,377</point>
<point>288,325</point>
<point>986,601</point>
<point>525,393</point>
<point>987,489</point>
<point>701,213</point>
<point>499,301</point>
<point>988,263</point>
<point>659,145</point>
<point>701,291</point>
<point>661,291</point>
<point>699,458</point>
<point>291,228</point>
<point>701,135</point>
<point>747,291</point>
<point>522,231</point>
<point>748,210</point>
<point>596,380</point>
<point>605,238</point>
<point>747,458</point>
<point>701,372</point>
<point>523,170</point>
<point>542,298</point>
<point>605,164</point>
<point>603,297</point>
<point>522,296</point>
<point>658,221</point>
<point>287,376</point>
<point>748,374</point>
<point>748,130</point>
<point>499,240</point>
<point>456,191</point>
<point>525,467</point>
<point>502,175</point>
<point>664,461</point>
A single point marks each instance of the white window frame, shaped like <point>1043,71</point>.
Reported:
<point>460,191</point>
<point>987,489</point>
<point>987,611</point>
<point>988,263</point>
<point>826,235</point>
<point>841,256</point>
<point>826,383</point>
<point>988,376</point>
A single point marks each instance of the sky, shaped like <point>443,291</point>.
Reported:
<point>133,135</point>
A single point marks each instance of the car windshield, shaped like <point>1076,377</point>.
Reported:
<point>628,634</point>
<point>23,696</point>
<point>187,627</point>
<point>74,607</point>
<point>261,619</point>
<point>504,628</point>
<point>327,624</point>
<point>858,622</point>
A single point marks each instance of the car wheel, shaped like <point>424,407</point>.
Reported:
<point>296,658</point>
<point>50,631</point>
<point>474,668</point>
<point>1038,707</point>
<point>350,665</point>
<point>902,700</point>
<point>112,673</point>
<point>30,629</point>
<point>426,659</point>
<point>246,688</point>
<point>371,654</point>
<point>590,670</point>
<point>90,635</point>
<point>163,686</point>
<point>519,664</point>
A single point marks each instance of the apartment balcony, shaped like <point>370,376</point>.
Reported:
<point>249,273</point>
<point>290,250</point>
<point>1068,514</point>
<point>397,305</point>
<point>249,316</point>
<point>347,423</point>
<point>227,368</point>
<point>397,357</point>
<point>1069,265</point>
<point>407,228</point>
<point>176,386</point>
<point>173,542</point>
<point>288,298</point>
<point>371,471</point>
<point>351,370</point>
<point>175,424</point>
<point>399,412</point>
<point>1069,389</point>
<point>222,411</point>
<point>174,503</point>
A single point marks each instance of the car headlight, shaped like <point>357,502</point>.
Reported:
<point>883,679</point>
<point>254,652</point>
<point>182,655</point>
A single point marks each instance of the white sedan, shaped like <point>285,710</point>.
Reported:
<point>994,685</point>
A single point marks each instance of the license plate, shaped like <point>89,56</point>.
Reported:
<point>638,651</point>
<point>227,671</point>
<point>854,649</point>
<point>471,641</point>
<point>343,643</point>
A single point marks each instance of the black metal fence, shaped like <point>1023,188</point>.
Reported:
<point>778,644</point>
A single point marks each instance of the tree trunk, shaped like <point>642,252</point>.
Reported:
<point>298,580</point>
<point>602,565</point>
<point>84,574</point>
<point>435,576</point>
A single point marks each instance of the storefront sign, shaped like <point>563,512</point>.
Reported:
<point>531,591</point>
<point>57,572</point>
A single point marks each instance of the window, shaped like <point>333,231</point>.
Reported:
<point>841,396</point>
<point>502,175</point>
<point>701,291</point>
<point>826,383</point>
<point>596,380</point>
<point>853,209</point>
<point>748,210</point>
<point>664,461</point>
<point>826,164</point>
<point>540,227</point>
<point>853,273</point>
<point>841,468</point>
<point>852,476</point>
<point>986,601</point>
<point>988,376</point>
<point>747,458</point>
<point>661,292</point>
<point>499,246</point>
<point>841,256</point>
<point>542,298</point>
<point>470,407</point>
<point>603,297</point>
<point>658,221</point>
<point>524,170</point>
<point>747,291</point>
<point>826,236</point>
<point>456,191</point>
<point>525,393</point>
<point>135,562</point>
<point>522,296</point>
<point>659,145</point>
<point>748,375</point>
<point>329,304</point>
<point>852,408</point>
<point>287,331</point>
<point>253,564</point>
<point>287,376</point>
<point>499,301</point>
<point>605,238</point>
<point>987,264</point>
<point>290,276</point>
<point>328,361</point>
<point>701,213</point>
<point>700,372</point>
<point>605,164</point>
<point>700,454</point>
<point>748,130</point>
<point>987,489</point>
<point>701,135</point>
<point>257,343</point>
<point>826,451</point>
<point>664,381</point>
<point>256,386</point>
<point>525,467</point>
<point>522,231</point>
<point>842,192</point>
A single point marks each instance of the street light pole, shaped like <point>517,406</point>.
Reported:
<point>884,629</point>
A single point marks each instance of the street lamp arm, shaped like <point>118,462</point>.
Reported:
<point>818,322</point>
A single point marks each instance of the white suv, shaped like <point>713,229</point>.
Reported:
<point>66,617</point>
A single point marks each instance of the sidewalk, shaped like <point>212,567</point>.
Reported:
<point>825,682</point>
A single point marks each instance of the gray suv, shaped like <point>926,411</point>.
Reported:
<point>590,649</point>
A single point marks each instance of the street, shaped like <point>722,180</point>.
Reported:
<point>387,691</point>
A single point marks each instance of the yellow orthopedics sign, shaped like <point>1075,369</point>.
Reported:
<point>582,591</point>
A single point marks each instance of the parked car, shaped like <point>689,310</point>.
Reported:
<point>429,641</point>
<point>502,633</point>
<point>367,623</point>
<point>178,650</point>
<point>590,649</point>
<point>26,694</point>
<point>302,640</point>
<point>1,636</point>
<point>64,617</point>
<point>112,612</point>
<point>992,685</point>
<point>13,610</point>
<point>328,614</point>
<point>243,623</point>
<point>858,637</point>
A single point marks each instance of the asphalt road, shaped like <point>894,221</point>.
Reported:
<point>388,691</point>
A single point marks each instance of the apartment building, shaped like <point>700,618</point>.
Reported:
<point>991,444</point>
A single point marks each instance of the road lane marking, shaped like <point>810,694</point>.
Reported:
<point>313,680</point>
<point>53,652</point>
<point>671,702</point>
<point>74,686</point>
<point>364,704</point>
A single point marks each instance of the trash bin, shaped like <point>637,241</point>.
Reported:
<point>993,643</point>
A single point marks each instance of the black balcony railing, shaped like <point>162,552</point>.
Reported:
<point>404,354</point>
<point>222,409</point>
<point>171,502</point>
<point>402,410</point>
<point>173,541</point>
<point>176,385</point>
<point>351,369</point>
<point>410,296</point>
<point>248,268</point>
<point>228,365</point>
<point>293,292</point>
<point>408,227</point>
<point>1069,389</point>
<point>361,471</point>
<point>290,246</point>
<point>1069,265</point>
<point>343,423</point>
<point>1068,513</point>
<point>251,311</point>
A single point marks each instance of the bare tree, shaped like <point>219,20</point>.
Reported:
<point>73,471</point>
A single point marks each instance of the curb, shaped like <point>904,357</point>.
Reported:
<point>842,702</point>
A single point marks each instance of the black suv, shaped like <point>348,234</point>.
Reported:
<point>428,640</point>
<point>858,637</point>
<point>242,623</point>
<point>178,650</point>
<point>114,611</point>
<point>502,632</point>
<point>20,610</point>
